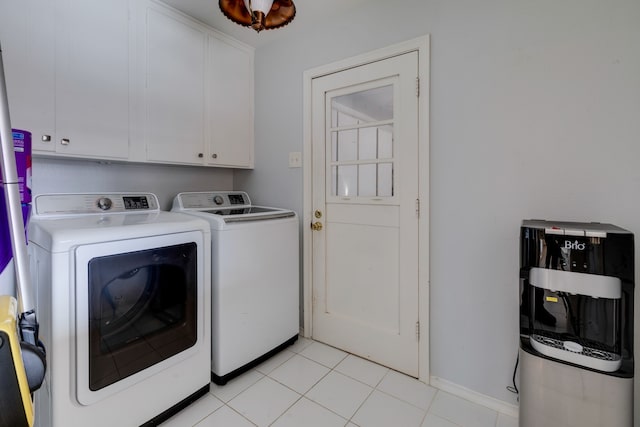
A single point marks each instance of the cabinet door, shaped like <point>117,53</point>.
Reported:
<point>230,104</point>
<point>174,92</point>
<point>28,40</point>
<point>92,78</point>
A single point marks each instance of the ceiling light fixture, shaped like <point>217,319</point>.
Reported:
<point>259,14</point>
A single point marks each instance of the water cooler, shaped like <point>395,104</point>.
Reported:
<point>576,325</point>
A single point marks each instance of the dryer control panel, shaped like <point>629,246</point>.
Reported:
<point>94,203</point>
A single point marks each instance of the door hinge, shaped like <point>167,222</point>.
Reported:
<point>418,208</point>
<point>418,331</point>
<point>418,87</point>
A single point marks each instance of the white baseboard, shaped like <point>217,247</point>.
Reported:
<point>475,397</point>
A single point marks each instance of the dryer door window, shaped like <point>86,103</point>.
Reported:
<point>142,310</point>
<point>138,310</point>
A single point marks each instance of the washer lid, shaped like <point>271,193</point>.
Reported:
<point>229,206</point>
<point>252,213</point>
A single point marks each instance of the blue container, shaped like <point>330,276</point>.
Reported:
<point>7,273</point>
<point>22,149</point>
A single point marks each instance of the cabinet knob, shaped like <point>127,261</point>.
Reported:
<point>46,138</point>
<point>200,155</point>
<point>214,155</point>
<point>65,141</point>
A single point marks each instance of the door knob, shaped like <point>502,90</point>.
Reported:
<point>316,226</point>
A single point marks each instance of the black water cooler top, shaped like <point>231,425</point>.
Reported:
<point>576,287</point>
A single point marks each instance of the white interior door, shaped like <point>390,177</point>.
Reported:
<point>366,211</point>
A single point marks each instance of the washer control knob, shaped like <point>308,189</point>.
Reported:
<point>104,203</point>
<point>218,200</point>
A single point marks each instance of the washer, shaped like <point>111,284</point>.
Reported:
<point>124,307</point>
<point>255,278</point>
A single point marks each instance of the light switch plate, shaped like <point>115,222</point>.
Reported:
<point>295,159</point>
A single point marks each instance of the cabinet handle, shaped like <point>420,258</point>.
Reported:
<point>200,155</point>
<point>215,156</point>
<point>65,141</point>
<point>46,138</point>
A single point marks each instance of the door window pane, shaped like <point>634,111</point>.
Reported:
<point>375,142</point>
<point>385,180</point>
<point>368,143</point>
<point>341,119</point>
<point>366,106</point>
<point>367,180</point>
<point>364,180</point>
<point>362,143</point>
<point>344,180</point>
<point>385,142</point>
<point>344,145</point>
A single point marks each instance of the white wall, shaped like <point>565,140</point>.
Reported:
<point>535,113</point>
<point>77,176</point>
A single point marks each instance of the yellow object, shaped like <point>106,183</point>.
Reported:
<point>16,407</point>
<point>552,299</point>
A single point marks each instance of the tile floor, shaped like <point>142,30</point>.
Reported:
<point>313,385</point>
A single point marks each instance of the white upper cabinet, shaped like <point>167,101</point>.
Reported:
<point>67,67</point>
<point>230,104</point>
<point>92,78</point>
<point>197,101</point>
<point>28,43</point>
<point>127,80</point>
<point>174,94</point>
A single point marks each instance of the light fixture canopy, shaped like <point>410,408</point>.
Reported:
<point>259,14</point>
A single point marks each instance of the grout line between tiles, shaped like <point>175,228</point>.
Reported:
<point>209,414</point>
<point>322,364</point>
<point>285,411</point>
<point>360,406</point>
<point>251,422</point>
<point>302,395</point>
<point>402,400</point>
<point>427,411</point>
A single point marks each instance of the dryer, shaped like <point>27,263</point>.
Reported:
<point>123,299</point>
<point>255,278</point>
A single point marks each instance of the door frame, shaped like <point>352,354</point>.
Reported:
<point>421,45</point>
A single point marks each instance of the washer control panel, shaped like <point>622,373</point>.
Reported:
<point>208,200</point>
<point>94,203</point>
